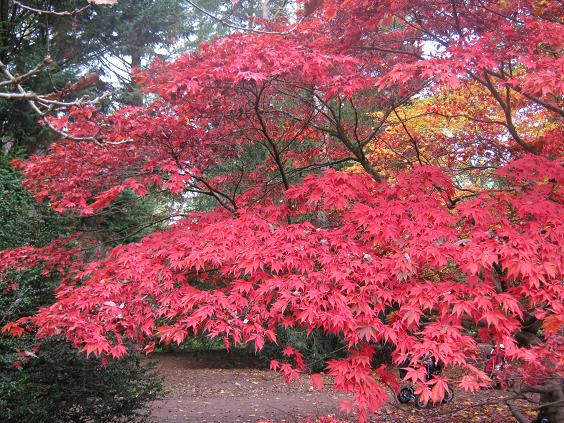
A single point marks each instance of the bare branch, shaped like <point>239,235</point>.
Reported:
<point>18,79</point>
<point>52,12</point>
<point>229,24</point>
<point>413,140</point>
<point>37,100</point>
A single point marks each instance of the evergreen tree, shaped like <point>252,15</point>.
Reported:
<point>85,46</point>
<point>48,380</point>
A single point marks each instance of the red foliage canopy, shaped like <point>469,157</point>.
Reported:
<point>452,234</point>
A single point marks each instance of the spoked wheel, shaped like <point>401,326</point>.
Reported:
<point>419,404</point>
<point>495,380</point>
<point>405,395</point>
<point>449,395</point>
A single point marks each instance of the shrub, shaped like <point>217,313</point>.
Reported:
<point>316,347</point>
<point>47,380</point>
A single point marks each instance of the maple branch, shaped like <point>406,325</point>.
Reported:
<point>550,404</point>
<point>406,159</point>
<point>413,141</point>
<point>300,131</point>
<point>238,183</point>
<point>20,89</point>
<point>500,14</point>
<point>18,79</point>
<point>451,411</point>
<point>308,90</point>
<point>458,115</point>
<point>495,278</point>
<point>389,110</point>
<point>456,19</point>
<point>19,96</point>
<point>356,120</point>
<point>138,230</point>
<point>370,137</point>
<point>315,166</point>
<point>539,389</point>
<point>425,31</point>
<point>520,417</point>
<point>391,50</point>
<point>339,133</point>
<point>305,122</point>
<point>547,105</point>
<point>506,108</point>
<point>552,107</point>
<point>274,153</point>
<point>215,193</point>
<point>219,196</point>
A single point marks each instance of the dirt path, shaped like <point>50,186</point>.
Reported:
<point>229,388</point>
<point>219,387</point>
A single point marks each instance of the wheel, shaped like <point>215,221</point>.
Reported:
<point>496,384</point>
<point>405,395</point>
<point>449,395</point>
<point>419,404</point>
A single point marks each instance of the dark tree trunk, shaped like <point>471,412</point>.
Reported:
<point>554,398</point>
<point>135,98</point>
<point>4,27</point>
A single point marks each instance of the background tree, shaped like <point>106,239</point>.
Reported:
<point>212,18</point>
<point>91,49</point>
<point>48,380</point>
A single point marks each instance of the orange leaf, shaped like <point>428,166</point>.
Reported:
<point>553,323</point>
<point>13,329</point>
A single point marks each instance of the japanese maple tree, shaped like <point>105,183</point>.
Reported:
<point>387,172</point>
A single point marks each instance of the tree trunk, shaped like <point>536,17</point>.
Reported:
<point>554,398</point>
<point>265,11</point>
<point>4,28</point>
<point>135,98</point>
<point>551,392</point>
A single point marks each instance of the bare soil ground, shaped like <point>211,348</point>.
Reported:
<point>220,387</point>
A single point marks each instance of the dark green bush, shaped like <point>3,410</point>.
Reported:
<point>61,385</point>
<point>316,347</point>
<point>47,380</point>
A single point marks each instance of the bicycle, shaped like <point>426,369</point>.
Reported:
<point>432,367</point>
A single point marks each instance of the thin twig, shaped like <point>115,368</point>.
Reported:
<point>52,12</point>
<point>229,24</point>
